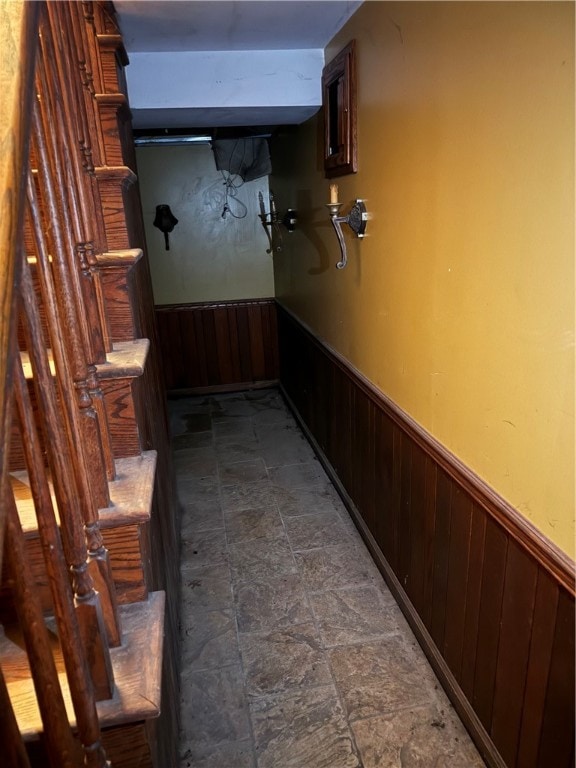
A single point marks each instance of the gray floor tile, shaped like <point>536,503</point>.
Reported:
<point>261,558</point>
<point>419,737</point>
<point>282,429</point>
<point>248,496</point>
<point>205,548</point>
<point>213,708</point>
<point>198,492</point>
<point>275,572</point>
<point>196,462</point>
<point>241,472</point>
<point>233,430</point>
<point>304,729</point>
<point>277,452</point>
<point>347,616</point>
<point>204,589</point>
<point>192,440</point>
<point>285,433</point>
<point>247,524</point>
<point>312,531</point>
<point>271,415</point>
<point>271,603</point>
<point>305,501</point>
<point>308,475</point>
<point>204,517</point>
<point>336,566</point>
<point>199,421</point>
<point>233,407</point>
<point>209,640</point>
<point>381,677</point>
<point>236,754</point>
<point>237,451</point>
<point>283,659</point>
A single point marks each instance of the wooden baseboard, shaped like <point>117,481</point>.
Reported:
<point>490,598</point>
<point>222,389</point>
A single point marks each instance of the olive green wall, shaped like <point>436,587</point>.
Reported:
<point>211,258</point>
<point>459,303</point>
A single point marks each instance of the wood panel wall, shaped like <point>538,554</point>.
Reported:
<point>491,600</point>
<point>223,346</point>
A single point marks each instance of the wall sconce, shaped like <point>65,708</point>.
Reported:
<point>273,221</point>
<point>165,221</point>
<point>356,220</point>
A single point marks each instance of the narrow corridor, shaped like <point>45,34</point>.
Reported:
<point>294,652</point>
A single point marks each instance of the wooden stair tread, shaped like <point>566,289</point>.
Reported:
<point>137,666</point>
<point>130,494</point>
<point>126,257</point>
<point>121,173</point>
<point>115,99</point>
<point>126,360</point>
<point>115,43</point>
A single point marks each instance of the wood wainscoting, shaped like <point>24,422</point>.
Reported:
<point>219,346</point>
<point>489,598</point>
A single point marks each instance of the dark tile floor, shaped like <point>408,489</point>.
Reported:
<point>295,654</point>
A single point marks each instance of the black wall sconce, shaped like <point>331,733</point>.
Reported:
<point>165,221</point>
<point>356,220</point>
<point>273,221</point>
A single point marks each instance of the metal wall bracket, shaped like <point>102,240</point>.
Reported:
<point>356,220</point>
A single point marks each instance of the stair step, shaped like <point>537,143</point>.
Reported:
<point>126,360</point>
<point>130,494</point>
<point>123,365</point>
<point>116,271</point>
<point>137,666</point>
<point>124,524</point>
<point>113,59</point>
<point>114,184</point>
<point>115,121</point>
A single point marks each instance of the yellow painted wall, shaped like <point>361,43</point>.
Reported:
<point>459,303</point>
<point>210,258</point>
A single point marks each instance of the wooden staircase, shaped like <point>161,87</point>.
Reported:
<point>89,594</point>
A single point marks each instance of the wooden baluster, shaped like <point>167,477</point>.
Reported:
<point>74,145</point>
<point>87,599</point>
<point>13,749</point>
<point>79,679</point>
<point>64,451</point>
<point>91,139</point>
<point>55,188</point>
<point>83,59</point>
<point>57,733</point>
<point>73,61</point>
<point>86,7</point>
<point>19,25</point>
<point>105,18</point>
<point>77,216</point>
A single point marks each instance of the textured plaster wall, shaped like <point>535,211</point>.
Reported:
<point>211,258</point>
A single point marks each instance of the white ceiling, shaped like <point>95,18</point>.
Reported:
<point>183,89</point>
<point>230,25</point>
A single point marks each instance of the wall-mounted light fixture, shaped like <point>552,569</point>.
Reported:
<point>165,221</point>
<point>273,220</point>
<point>356,220</point>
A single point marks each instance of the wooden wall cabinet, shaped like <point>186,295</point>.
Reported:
<point>339,108</point>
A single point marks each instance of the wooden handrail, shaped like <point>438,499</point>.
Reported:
<point>18,22</point>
